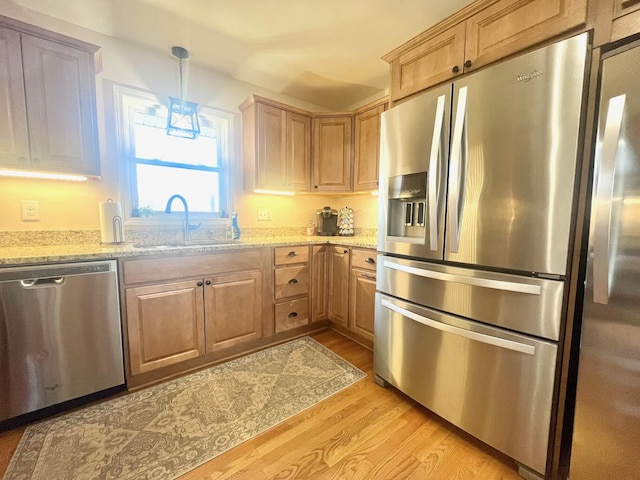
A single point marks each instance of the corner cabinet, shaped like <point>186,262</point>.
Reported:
<point>276,145</point>
<point>481,33</point>
<point>47,82</point>
<point>332,153</point>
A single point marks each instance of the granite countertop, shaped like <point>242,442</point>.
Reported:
<point>70,253</point>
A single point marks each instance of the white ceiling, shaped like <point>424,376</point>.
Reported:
<point>326,52</point>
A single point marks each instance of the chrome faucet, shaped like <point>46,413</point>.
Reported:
<point>187,226</point>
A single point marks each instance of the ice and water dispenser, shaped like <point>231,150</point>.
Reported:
<point>407,205</point>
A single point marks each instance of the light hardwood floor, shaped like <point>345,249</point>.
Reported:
<point>364,432</point>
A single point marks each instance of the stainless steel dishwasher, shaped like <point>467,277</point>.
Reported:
<point>60,334</point>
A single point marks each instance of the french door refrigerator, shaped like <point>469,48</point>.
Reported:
<point>476,209</point>
<point>606,437</point>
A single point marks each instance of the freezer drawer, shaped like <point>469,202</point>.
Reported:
<point>523,304</point>
<point>495,385</point>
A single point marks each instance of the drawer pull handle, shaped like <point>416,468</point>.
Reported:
<point>292,253</point>
<point>293,281</point>
<point>369,260</point>
<point>368,277</point>
<point>293,315</point>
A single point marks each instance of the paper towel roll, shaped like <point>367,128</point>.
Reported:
<point>111,227</point>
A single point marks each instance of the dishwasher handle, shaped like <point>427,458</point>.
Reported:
<point>41,282</point>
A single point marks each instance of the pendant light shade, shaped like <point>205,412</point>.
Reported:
<point>182,120</point>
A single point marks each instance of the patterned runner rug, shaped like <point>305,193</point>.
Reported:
<point>166,430</point>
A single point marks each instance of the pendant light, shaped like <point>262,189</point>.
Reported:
<point>182,120</point>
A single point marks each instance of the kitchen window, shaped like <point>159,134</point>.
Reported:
<point>156,166</point>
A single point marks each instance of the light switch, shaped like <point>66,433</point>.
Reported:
<point>30,210</point>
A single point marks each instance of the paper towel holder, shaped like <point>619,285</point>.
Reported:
<point>117,229</point>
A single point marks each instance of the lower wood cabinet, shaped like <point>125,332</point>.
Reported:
<point>319,282</point>
<point>362,291</point>
<point>165,324</point>
<point>291,287</point>
<point>183,310</point>
<point>339,285</point>
<point>232,307</point>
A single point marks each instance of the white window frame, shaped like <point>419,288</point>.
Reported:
<point>127,101</point>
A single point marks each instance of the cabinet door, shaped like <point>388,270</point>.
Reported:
<point>332,140</point>
<point>367,149</point>
<point>14,139</point>
<point>298,151</point>
<point>232,305</point>
<point>165,325</point>
<point>271,166</point>
<point>319,283</point>
<point>509,26</point>
<point>339,285</point>
<point>60,92</point>
<point>362,302</point>
<point>433,61</point>
<point>622,7</point>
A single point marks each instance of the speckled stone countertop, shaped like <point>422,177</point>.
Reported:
<point>24,255</point>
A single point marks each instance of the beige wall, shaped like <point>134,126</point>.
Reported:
<point>66,205</point>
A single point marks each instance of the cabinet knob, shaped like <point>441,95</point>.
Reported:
<point>199,284</point>
<point>345,251</point>
<point>293,281</point>
<point>293,315</point>
<point>207,282</point>
<point>292,254</point>
<point>467,64</point>
<point>315,186</point>
<point>455,69</point>
<point>369,260</point>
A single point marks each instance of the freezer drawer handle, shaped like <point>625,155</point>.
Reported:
<point>434,173</point>
<point>455,181</point>
<point>478,282</point>
<point>604,198</point>
<point>478,337</point>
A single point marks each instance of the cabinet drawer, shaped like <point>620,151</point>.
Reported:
<point>289,255</point>
<point>365,259</point>
<point>291,281</point>
<point>292,314</point>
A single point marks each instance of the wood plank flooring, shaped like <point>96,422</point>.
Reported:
<point>364,432</point>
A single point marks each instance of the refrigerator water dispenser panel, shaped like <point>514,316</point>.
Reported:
<point>407,205</point>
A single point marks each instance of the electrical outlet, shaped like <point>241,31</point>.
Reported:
<point>264,214</point>
<point>30,210</point>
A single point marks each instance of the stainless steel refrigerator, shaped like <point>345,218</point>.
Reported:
<point>606,437</point>
<point>476,211</point>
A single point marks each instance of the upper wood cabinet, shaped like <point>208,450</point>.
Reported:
<point>432,61</point>
<point>47,82</point>
<point>332,153</point>
<point>623,7</point>
<point>276,146</point>
<point>509,26</point>
<point>366,158</point>
<point>481,33</point>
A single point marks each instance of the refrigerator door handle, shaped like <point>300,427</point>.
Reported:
<point>470,334</point>
<point>478,282</point>
<point>604,198</point>
<point>455,194</point>
<point>434,173</point>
